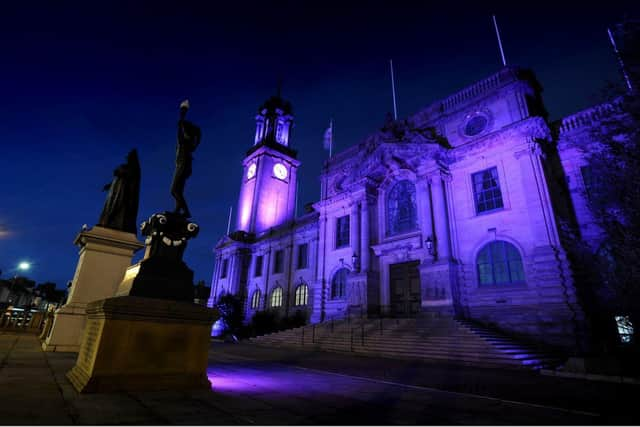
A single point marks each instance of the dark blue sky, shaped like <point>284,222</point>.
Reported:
<point>83,83</point>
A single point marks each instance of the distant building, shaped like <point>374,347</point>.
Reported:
<point>456,209</point>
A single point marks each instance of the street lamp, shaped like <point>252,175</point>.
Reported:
<point>354,262</point>
<point>22,266</point>
<point>430,249</point>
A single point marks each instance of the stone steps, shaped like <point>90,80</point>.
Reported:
<point>430,338</point>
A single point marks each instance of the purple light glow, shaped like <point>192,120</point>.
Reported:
<point>253,381</point>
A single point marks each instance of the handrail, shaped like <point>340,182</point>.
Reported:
<point>14,318</point>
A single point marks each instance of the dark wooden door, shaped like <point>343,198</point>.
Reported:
<point>404,280</point>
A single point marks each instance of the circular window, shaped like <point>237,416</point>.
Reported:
<point>475,125</point>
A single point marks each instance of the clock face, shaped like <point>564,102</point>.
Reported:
<point>280,171</point>
<point>476,125</point>
<point>251,171</point>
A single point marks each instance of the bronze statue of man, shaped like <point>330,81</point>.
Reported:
<point>121,207</point>
<point>188,140</point>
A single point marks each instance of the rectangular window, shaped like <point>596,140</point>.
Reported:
<point>257,272</point>
<point>225,268</point>
<point>303,259</point>
<point>278,261</point>
<point>486,190</point>
<point>342,231</point>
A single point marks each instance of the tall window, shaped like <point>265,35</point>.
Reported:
<point>278,262</point>
<point>255,300</point>
<point>225,268</point>
<point>276,297</point>
<point>303,258</point>
<point>342,231</point>
<point>339,283</point>
<point>486,190</point>
<point>257,272</point>
<point>401,208</point>
<point>499,263</point>
<point>302,294</point>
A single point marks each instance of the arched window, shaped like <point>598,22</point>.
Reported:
<point>499,263</point>
<point>276,297</point>
<point>339,283</point>
<point>401,208</point>
<point>302,294</point>
<point>255,300</point>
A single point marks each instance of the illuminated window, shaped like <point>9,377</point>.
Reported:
<point>342,231</point>
<point>225,268</point>
<point>303,258</point>
<point>499,263</point>
<point>486,190</point>
<point>339,283</point>
<point>625,329</point>
<point>276,297</point>
<point>257,272</point>
<point>302,294</point>
<point>255,300</point>
<point>278,262</point>
<point>401,208</point>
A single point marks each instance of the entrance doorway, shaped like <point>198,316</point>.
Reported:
<point>404,280</point>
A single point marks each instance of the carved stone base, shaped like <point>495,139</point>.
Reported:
<point>135,344</point>
<point>105,255</point>
<point>162,273</point>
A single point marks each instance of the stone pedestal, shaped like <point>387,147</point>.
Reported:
<point>134,344</point>
<point>162,273</point>
<point>105,255</point>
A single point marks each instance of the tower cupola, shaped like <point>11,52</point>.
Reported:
<point>274,122</point>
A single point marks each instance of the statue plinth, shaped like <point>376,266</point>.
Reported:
<point>151,336</point>
<point>162,273</point>
<point>133,344</point>
<point>105,254</point>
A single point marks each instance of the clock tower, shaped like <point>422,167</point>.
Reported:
<point>268,187</point>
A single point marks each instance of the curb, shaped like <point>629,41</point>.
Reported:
<point>591,377</point>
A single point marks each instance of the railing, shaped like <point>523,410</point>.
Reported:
<point>587,117</point>
<point>19,318</point>
<point>364,327</point>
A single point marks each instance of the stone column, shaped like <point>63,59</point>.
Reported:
<point>214,282</point>
<point>424,209</point>
<point>317,314</point>
<point>105,255</point>
<point>440,218</point>
<point>354,224</point>
<point>364,236</point>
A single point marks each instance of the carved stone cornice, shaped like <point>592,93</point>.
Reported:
<point>407,243</point>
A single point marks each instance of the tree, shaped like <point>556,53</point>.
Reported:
<point>231,313</point>
<point>613,191</point>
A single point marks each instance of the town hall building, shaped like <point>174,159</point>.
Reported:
<point>454,210</point>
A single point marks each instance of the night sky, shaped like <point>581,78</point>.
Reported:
<point>82,84</point>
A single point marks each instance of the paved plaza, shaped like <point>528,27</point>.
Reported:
<point>257,385</point>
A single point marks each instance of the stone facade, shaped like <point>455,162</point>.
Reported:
<point>451,210</point>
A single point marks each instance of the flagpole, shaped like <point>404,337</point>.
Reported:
<point>393,91</point>
<point>229,221</point>
<point>615,49</point>
<point>495,24</point>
